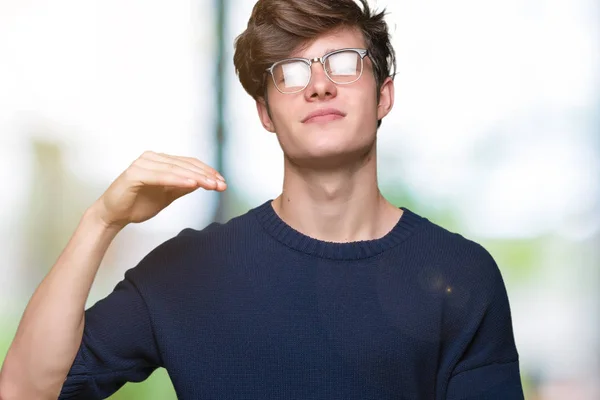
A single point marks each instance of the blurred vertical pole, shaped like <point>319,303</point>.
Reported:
<point>220,9</point>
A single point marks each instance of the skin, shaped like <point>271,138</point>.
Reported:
<point>330,189</point>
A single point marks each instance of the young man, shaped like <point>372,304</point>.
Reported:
<point>326,292</point>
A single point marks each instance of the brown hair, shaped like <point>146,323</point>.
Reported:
<point>278,27</point>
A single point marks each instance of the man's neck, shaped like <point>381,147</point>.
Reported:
<point>342,205</point>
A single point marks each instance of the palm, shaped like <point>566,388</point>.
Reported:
<point>150,200</point>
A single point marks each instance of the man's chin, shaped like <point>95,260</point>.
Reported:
<point>331,157</point>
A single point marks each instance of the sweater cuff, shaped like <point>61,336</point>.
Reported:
<point>501,381</point>
<point>77,381</point>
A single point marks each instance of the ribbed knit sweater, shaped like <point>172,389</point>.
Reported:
<point>254,309</point>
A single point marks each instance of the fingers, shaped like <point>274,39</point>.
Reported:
<point>138,174</point>
<point>185,162</point>
<point>197,163</point>
<point>163,170</point>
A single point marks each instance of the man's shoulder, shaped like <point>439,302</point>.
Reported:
<point>460,256</point>
<point>192,249</point>
<point>237,227</point>
<point>442,237</point>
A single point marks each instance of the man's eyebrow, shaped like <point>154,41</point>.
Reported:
<point>327,51</point>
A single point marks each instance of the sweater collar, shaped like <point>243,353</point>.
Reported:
<point>284,233</point>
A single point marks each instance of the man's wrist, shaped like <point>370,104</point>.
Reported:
<point>95,216</point>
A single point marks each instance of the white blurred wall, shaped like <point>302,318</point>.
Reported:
<point>104,80</point>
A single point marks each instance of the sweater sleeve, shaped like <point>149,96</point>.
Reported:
<point>488,368</point>
<point>118,343</point>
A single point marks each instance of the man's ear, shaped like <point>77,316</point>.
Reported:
<point>386,98</point>
<point>264,114</point>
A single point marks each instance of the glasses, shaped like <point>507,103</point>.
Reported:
<point>342,67</point>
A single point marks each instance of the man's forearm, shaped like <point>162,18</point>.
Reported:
<point>50,332</point>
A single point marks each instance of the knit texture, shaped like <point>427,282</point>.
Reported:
<point>253,309</point>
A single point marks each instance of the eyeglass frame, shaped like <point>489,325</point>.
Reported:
<point>362,53</point>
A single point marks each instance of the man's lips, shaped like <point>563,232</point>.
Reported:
<point>325,114</point>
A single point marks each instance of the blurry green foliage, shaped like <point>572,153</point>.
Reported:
<point>519,260</point>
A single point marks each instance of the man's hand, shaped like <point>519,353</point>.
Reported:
<point>150,184</point>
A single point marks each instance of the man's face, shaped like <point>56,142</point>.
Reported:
<point>345,134</point>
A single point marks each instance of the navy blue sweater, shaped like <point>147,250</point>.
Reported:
<point>253,309</point>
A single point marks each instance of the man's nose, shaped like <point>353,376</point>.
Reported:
<point>320,86</point>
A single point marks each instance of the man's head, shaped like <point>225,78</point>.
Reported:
<point>286,93</point>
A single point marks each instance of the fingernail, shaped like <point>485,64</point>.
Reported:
<point>211,181</point>
<point>220,177</point>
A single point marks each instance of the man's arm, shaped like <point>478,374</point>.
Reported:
<point>118,344</point>
<point>488,368</point>
<point>50,333</point>
<point>52,325</point>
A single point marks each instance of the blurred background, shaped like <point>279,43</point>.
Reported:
<point>495,134</point>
